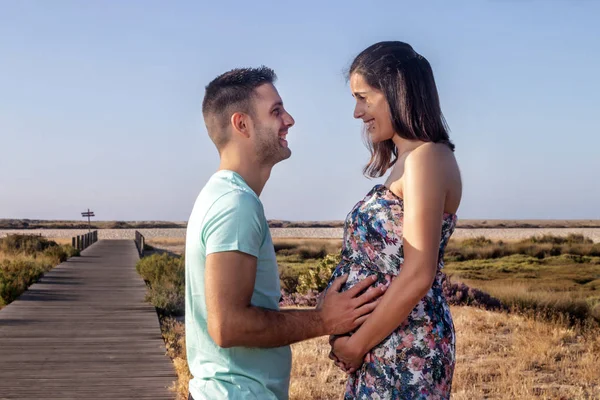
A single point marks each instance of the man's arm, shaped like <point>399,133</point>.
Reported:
<point>233,321</point>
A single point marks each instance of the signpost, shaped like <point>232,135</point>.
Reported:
<point>88,214</point>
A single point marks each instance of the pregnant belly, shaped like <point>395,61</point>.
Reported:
<point>358,272</point>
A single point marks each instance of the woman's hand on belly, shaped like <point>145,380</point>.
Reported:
<point>345,356</point>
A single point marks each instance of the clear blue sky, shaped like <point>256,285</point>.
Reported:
<point>100,102</point>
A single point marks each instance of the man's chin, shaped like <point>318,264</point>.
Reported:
<point>286,154</point>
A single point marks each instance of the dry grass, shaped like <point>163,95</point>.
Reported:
<point>61,241</point>
<point>168,244</point>
<point>551,298</point>
<point>174,335</point>
<point>314,376</point>
<point>557,284</point>
<point>33,258</point>
<point>509,356</point>
<point>499,356</point>
<point>23,259</point>
<point>166,241</point>
<point>291,249</point>
<point>308,247</point>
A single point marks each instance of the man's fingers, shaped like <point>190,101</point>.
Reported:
<point>332,338</point>
<point>337,284</point>
<point>371,294</point>
<point>367,308</point>
<point>359,321</point>
<point>360,286</point>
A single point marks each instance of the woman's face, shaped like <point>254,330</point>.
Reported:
<point>372,107</point>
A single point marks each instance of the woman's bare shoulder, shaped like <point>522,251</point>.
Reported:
<point>431,156</point>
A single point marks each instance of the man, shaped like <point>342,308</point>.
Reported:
<point>237,338</point>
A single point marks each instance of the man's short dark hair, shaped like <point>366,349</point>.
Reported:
<point>229,93</point>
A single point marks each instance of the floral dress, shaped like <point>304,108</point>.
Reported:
<point>416,361</point>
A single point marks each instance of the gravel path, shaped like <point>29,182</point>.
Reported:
<point>504,234</point>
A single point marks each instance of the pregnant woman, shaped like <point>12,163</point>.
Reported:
<point>399,230</point>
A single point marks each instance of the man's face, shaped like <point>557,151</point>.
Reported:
<point>271,124</point>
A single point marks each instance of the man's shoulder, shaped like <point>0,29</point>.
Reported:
<point>226,207</point>
<point>227,189</point>
<point>235,199</point>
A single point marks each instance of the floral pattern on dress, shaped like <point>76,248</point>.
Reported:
<point>417,360</point>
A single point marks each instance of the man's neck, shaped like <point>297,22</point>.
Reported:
<point>255,176</point>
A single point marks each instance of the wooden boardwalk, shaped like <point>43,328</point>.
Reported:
<point>85,332</point>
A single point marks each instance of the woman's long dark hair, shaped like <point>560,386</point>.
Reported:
<point>406,79</point>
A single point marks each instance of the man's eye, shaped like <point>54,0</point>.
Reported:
<point>276,111</point>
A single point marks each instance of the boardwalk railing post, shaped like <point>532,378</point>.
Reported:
<point>82,242</point>
<point>140,243</point>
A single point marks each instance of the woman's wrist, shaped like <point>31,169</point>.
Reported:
<point>357,347</point>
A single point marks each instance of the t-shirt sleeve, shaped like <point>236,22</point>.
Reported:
<point>234,223</point>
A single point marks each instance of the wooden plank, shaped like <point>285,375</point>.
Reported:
<point>85,331</point>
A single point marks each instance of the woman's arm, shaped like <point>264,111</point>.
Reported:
<point>424,198</point>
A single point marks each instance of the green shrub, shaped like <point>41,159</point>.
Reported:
<point>71,251</point>
<point>25,244</point>
<point>56,252</point>
<point>479,241</point>
<point>165,275</point>
<point>540,247</point>
<point>17,275</point>
<point>167,296</point>
<point>551,239</point>
<point>25,259</point>
<point>317,277</point>
<point>158,266</point>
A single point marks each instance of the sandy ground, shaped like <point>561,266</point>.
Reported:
<point>460,233</point>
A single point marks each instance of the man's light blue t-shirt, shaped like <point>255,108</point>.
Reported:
<point>228,216</point>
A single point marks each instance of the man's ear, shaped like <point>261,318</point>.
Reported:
<point>241,123</point>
